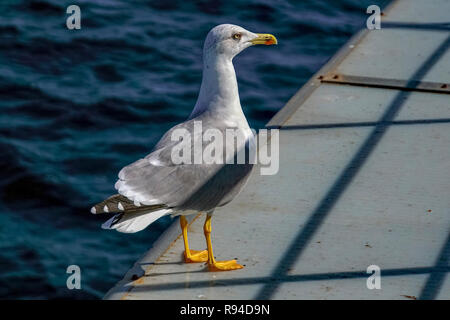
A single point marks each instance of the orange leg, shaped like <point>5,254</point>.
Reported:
<point>214,265</point>
<point>191,255</point>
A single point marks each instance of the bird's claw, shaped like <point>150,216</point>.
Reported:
<point>224,265</point>
<point>196,256</point>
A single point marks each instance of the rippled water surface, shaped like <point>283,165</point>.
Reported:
<point>78,105</point>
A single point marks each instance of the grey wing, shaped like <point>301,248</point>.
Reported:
<point>156,179</point>
<point>144,183</point>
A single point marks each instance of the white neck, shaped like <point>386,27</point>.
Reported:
<point>219,90</point>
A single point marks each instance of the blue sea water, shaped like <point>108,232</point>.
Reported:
<point>78,105</point>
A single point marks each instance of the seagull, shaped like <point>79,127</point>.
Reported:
<point>157,185</point>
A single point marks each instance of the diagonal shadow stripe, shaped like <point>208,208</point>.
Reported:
<point>285,278</point>
<point>437,276</point>
<point>318,216</point>
<point>444,26</point>
<point>358,124</point>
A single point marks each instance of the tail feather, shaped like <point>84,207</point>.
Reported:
<point>131,217</point>
<point>134,222</point>
<point>119,203</point>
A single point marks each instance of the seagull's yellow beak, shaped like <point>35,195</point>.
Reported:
<point>264,38</point>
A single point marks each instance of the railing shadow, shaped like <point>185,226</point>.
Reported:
<point>286,278</point>
<point>319,215</point>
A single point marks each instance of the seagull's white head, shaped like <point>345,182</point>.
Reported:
<point>219,90</point>
<point>228,40</point>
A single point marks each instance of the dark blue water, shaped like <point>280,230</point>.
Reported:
<point>76,106</point>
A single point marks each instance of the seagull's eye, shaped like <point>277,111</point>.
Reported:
<point>237,36</point>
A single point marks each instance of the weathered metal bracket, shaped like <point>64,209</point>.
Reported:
<point>407,85</point>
